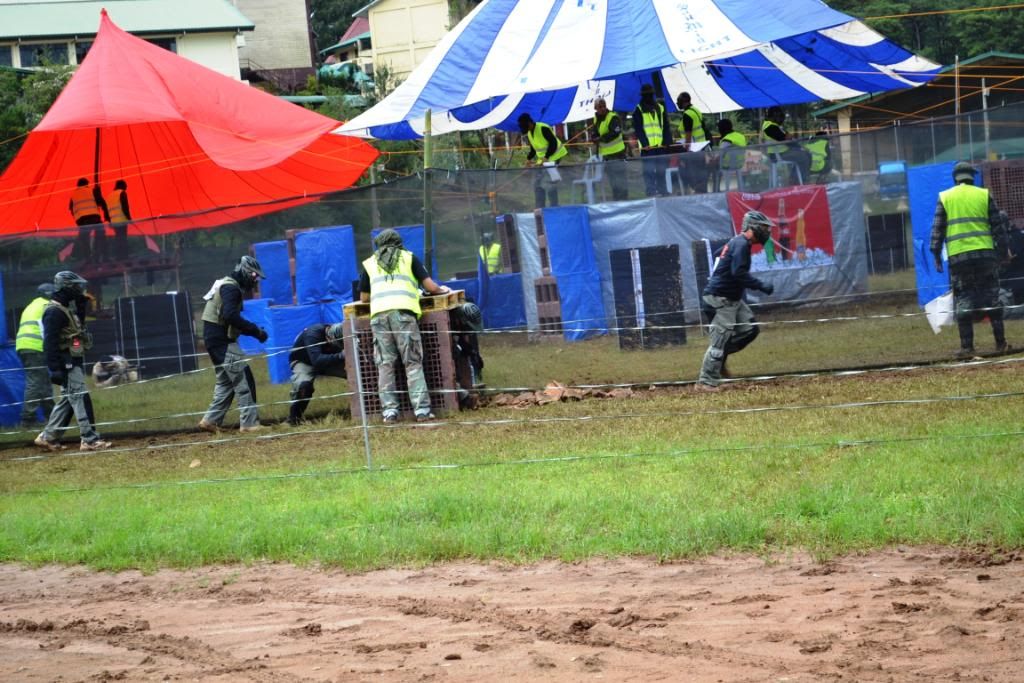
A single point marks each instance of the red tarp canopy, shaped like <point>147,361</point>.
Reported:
<point>197,148</point>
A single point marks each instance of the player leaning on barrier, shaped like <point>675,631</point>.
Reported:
<point>969,224</point>
<point>732,327</point>
<point>223,323</point>
<point>65,341</point>
<point>390,281</point>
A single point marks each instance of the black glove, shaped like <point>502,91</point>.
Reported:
<point>768,288</point>
<point>261,335</point>
<point>938,265</point>
<point>58,377</point>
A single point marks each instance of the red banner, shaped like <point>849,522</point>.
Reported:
<point>802,228</point>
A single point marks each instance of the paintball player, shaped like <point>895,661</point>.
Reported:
<point>65,341</point>
<point>731,325</point>
<point>968,222</point>
<point>317,352</point>
<point>29,345</point>
<point>222,324</point>
<point>466,323</point>
<point>113,370</point>
<point>390,282</point>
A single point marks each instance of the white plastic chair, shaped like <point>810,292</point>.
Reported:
<point>670,173</point>
<point>593,174</point>
<point>773,172</point>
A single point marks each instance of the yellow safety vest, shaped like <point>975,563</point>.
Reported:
<point>491,257</point>
<point>540,143</point>
<point>83,203</point>
<point>654,126</point>
<point>30,329</point>
<point>697,134</point>
<point>772,149</point>
<point>114,207</point>
<point>967,226</point>
<point>735,138</point>
<point>616,145</point>
<point>818,149</point>
<point>397,291</point>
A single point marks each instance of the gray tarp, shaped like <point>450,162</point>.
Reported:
<point>682,220</point>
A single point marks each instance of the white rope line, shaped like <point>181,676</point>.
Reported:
<point>616,385</point>
<point>539,460</point>
<point>846,405</point>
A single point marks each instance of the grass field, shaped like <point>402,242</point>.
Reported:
<point>827,463</point>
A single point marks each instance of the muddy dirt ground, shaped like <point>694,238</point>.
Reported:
<point>906,614</point>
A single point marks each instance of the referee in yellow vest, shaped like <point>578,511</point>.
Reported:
<point>545,149</point>
<point>611,146</point>
<point>654,135</point>
<point>390,282</point>
<point>29,346</point>
<point>490,253</point>
<point>967,221</point>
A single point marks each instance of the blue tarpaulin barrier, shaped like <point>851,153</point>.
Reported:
<point>924,183</point>
<point>325,265</point>
<point>413,240</point>
<point>505,306</point>
<point>582,305</point>
<point>332,312</point>
<point>254,310</point>
<point>273,258</point>
<point>284,325</point>
<point>12,386</point>
<point>570,245</point>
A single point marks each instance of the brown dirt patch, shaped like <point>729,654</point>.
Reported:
<point>901,615</point>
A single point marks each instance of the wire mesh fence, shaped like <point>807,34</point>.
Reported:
<point>466,203</point>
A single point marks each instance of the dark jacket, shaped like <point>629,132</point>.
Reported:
<point>54,321</point>
<point>732,274</point>
<point>311,348</point>
<point>231,311</point>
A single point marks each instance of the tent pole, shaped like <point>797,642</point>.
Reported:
<point>428,219</point>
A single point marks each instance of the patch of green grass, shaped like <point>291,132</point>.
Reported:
<point>665,473</point>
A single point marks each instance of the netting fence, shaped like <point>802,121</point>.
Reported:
<point>860,311</point>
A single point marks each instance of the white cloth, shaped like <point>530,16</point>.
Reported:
<point>940,312</point>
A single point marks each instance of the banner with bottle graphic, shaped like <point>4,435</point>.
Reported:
<point>801,231</point>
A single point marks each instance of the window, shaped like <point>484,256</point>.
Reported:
<point>81,50</point>
<point>38,54</point>
<point>169,44</point>
<point>6,57</point>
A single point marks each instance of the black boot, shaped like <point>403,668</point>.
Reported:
<point>966,329</point>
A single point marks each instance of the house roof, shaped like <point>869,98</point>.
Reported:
<point>67,18</point>
<point>356,29</point>
<point>993,55</point>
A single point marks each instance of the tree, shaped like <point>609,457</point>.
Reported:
<point>331,18</point>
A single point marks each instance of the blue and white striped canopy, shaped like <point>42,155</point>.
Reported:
<point>553,58</point>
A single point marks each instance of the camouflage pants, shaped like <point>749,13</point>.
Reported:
<point>234,379</point>
<point>38,390</point>
<point>74,399</point>
<point>397,335</point>
<point>731,330</point>
<point>976,286</point>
